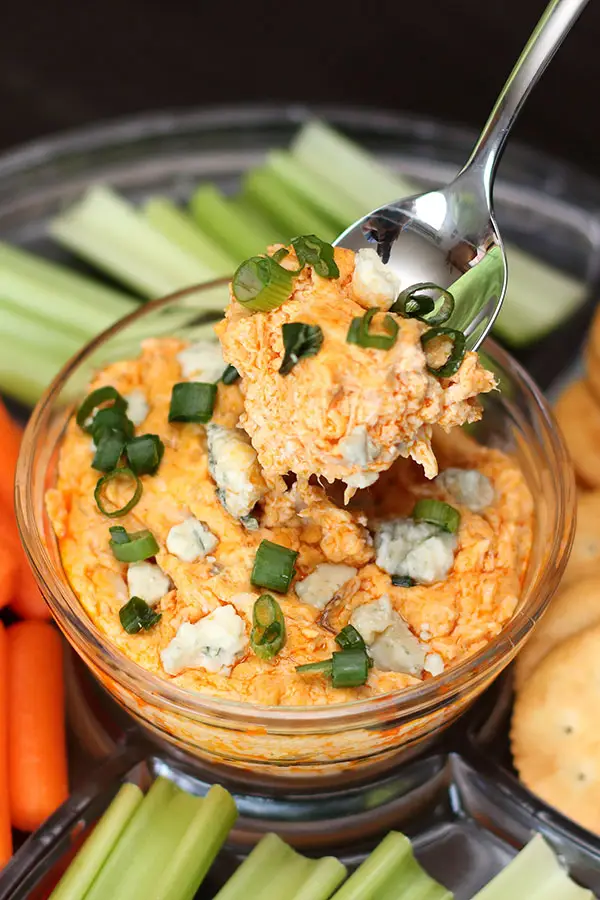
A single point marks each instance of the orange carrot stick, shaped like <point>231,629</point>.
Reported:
<point>9,571</point>
<point>5,827</point>
<point>10,441</point>
<point>27,600</point>
<point>37,760</point>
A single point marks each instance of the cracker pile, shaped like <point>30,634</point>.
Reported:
<point>555,732</point>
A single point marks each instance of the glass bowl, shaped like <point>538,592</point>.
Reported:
<point>350,740</point>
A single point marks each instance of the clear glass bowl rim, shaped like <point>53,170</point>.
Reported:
<point>414,702</point>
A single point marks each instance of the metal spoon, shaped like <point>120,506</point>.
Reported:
<point>449,237</point>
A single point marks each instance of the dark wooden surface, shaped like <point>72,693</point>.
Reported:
<point>69,62</point>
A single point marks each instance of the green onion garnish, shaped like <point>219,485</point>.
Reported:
<point>261,284</point>
<point>121,472</point>
<point>457,355</point>
<point>144,453</point>
<point>192,401</point>
<point>299,340</point>
<point>132,547</point>
<point>403,581</point>
<point>436,512</point>
<point>347,668</point>
<point>230,375</point>
<point>350,639</point>
<point>94,400</point>
<point>112,418</point>
<point>136,614</point>
<point>359,333</point>
<point>413,305</point>
<point>268,634</point>
<point>109,450</point>
<point>312,251</point>
<point>280,254</point>
<point>273,567</point>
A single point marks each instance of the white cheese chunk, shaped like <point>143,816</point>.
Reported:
<point>321,586</point>
<point>358,448</point>
<point>233,464</point>
<point>434,664</point>
<point>469,487</point>
<point>392,645</point>
<point>373,282</point>
<point>147,581</point>
<point>137,406</point>
<point>361,480</point>
<point>416,549</point>
<point>190,540</point>
<point>212,643</point>
<point>202,361</point>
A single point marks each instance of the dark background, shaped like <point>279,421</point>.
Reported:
<point>65,63</point>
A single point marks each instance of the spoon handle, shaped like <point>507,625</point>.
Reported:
<point>548,35</point>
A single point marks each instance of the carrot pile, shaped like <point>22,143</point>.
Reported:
<point>33,763</point>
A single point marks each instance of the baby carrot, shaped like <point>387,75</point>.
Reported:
<point>5,827</point>
<point>27,600</point>
<point>37,761</point>
<point>9,571</point>
<point>10,441</point>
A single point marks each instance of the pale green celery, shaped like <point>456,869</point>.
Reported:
<point>196,851</point>
<point>180,228</point>
<point>79,876</point>
<point>238,234</point>
<point>161,841</point>
<point>483,280</point>
<point>26,383</point>
<point>535,874</point>
<point>539,296</point>
<point>325,876</point>
<point>51,293</point>
<point>391,862</point>
<point>132,841</point>
<point>269,193</point>
<point>109,232</point>
<point>260,221</point>
<point>20,324</point>
<point>317,191</point>
<point>269,856</point>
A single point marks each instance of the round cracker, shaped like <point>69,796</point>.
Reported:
<point>555,731</point>
<point>585,553</point>
<point>575,608</point>
<point>578,415</point>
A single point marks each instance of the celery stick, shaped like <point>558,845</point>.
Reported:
<point>227,223</point>
<point>26,370</point>
<point>195,853</point>
<point>539,296</point>
<point>19,324</point>
<point>410,882</point>
<point>270,855</point>
<point>161,840</point>
<point>326,875</point>
<point>536,874</point>
<point>132,841</point>
<point>269,193</point>
<point>258,219</point>
<point>107,230</point>
<point>96,849</point>
<point>284,884</point>
<point>317,191</point>
<point>180,228</point>
<point>53,294</point>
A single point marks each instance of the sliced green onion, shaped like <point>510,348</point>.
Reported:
<point>261,284</point>
<point>350,639</point>
<point>230,375</point>
<point>299,340</point>
<point>436,512</point>
<point>350,668</point>
<point>280,254</point>
<point>456,356</point>
<point>324,667</point>
<point>273,567</point>
<point>192,401</point>
<point>402,581</point>
<point>132,547</point>
<point>144,453</point>
<point>109,450</point>
<point>359,333</point>
<point>121,472</point>
<point>268,634</point>
<point>112,418</point>
<point>94,400</point>
<point>413,305</point>
<point>136,614</point>
<point>312,251</point>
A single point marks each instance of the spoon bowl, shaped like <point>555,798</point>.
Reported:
<point>448,238</point>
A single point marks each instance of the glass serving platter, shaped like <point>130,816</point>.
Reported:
<point>461,803</point>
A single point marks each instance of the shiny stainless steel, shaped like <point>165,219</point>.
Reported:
<point>449,236</point>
